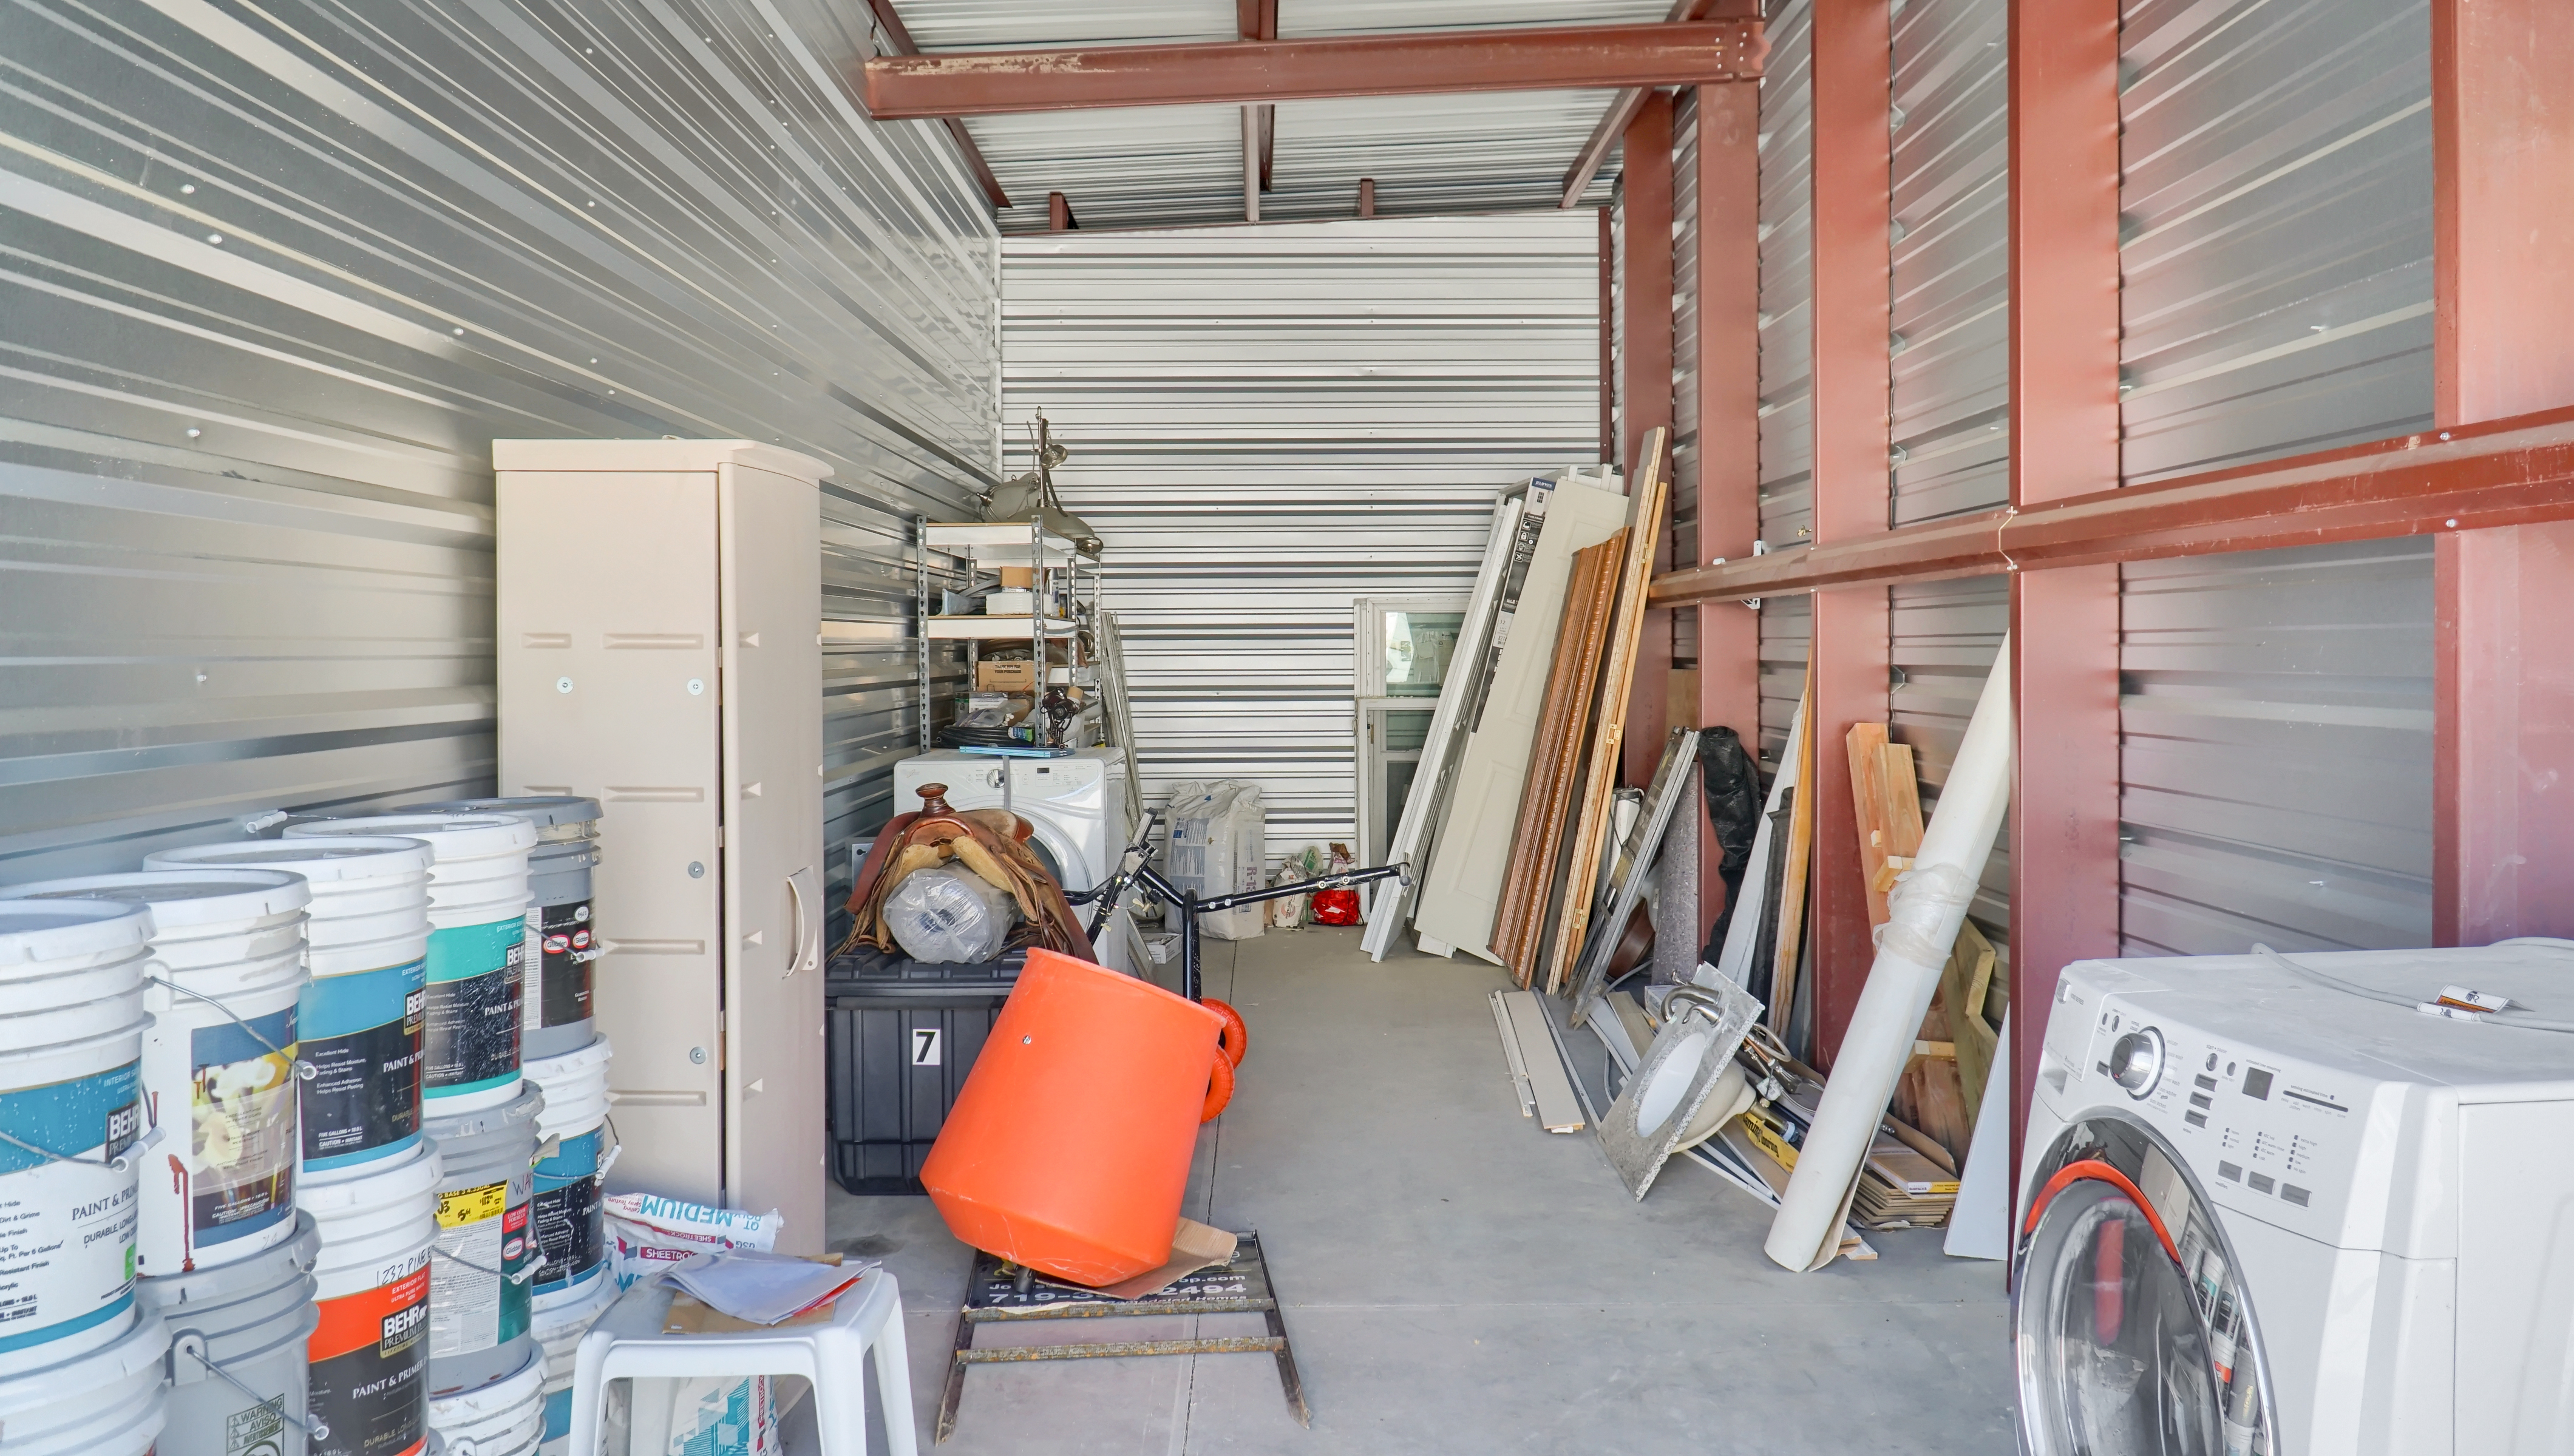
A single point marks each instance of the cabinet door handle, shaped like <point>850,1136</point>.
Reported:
<point>795,958</point>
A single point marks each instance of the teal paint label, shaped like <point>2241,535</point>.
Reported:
<point>477,976</point>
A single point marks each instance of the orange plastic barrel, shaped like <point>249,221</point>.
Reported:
<point>1068,1148</point>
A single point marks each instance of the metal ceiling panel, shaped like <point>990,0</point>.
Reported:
<point>275,277</point>
<point>1267,423</point>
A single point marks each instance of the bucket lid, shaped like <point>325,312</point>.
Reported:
<point>544,811</point>
<point>328,864</point>
<point>550,1071</point>
<point>485,1121</point>
<point>224,1283</point>
<point>405,1177</point>
<point>449,835</point>
<point>87,1374</point>
<point>521,1387</point>
<point>58,930</point>
<point>182,900</point>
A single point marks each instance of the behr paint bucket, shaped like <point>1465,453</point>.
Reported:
<point>239,1337</point>
<point>559,1330</point>
<point>360,1019</point>
<point>505,1417</point>
<point>562,927</point>
<point>485,1258</point>
<point>109,1401</point>
<point>369,1352</point>
<point>218,1065</point>
<point>71,1115</point>
<point>569,1219</point>
<point>478,906</point>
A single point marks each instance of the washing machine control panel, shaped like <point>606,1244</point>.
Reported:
<point>2136,1061</point>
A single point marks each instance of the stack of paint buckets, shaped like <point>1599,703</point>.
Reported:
<point>368,1179</point>
<point>82,1368</point>
<point>569,1063</point>
<point>226,1262</point>
<point>478,1112</point>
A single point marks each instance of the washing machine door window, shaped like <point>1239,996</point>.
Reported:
<point>2114,1356</point>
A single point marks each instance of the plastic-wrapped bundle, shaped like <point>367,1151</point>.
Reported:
<point>950,914</point>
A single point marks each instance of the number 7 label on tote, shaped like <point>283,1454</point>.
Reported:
<point>925,1046</point>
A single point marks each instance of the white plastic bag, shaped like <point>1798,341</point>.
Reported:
<point>1218,837</point>
<point>950,915</point>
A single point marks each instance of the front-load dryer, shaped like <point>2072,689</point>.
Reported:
<point>2273,1205</point>
<point>1076,805</point>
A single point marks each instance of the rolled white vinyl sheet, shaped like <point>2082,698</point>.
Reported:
<point>1928,906</point>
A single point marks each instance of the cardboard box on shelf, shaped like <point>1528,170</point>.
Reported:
<point>1006,676</point>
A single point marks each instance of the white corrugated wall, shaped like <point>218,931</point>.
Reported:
<point>1267,423</point>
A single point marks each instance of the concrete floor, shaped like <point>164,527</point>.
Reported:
<point>1456,1281</point>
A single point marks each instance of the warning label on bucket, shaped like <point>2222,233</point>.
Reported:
<point>562,942</point>
<point>370,1355</point>
<point>66,1228</point>
<point>475,977</point>
<point>362,1036</point>
<point>483,1248</point>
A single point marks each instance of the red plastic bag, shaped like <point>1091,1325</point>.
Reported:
<point>1336,906</point>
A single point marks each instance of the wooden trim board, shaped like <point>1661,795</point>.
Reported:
<point>1555,757</point>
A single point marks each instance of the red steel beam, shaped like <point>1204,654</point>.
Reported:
<point>1257,20</point>
<point>1727,443</point>
<point>2064,218</point>
<point>2502,106</point>
<point>988,83</point>
<point>899,37</point>
<point>1644,391</point>
<point>2515,471</point>
<point>1621,107</point>
<point>1852,197</point>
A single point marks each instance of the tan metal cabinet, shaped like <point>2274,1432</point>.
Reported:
<point>659,603</point>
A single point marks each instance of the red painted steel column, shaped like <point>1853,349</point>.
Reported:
<point>1853,182</point>
<point>2064,443</point>
<point>2502,93</point>
<point>1644,391</point>
<point>1729,425</point>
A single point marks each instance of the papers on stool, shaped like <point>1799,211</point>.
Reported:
<point>764,1288</point>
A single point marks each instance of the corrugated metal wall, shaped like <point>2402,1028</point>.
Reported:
<point>276,276</point>
<point>1787,350</point>
<point>1267,423</point>
<point>2278,197</point>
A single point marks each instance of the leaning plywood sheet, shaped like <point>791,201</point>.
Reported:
<point>1555,755</point>
<point>1558,1110</point>
<point>1437,771</point>
<point>1464,886</point>
<point>1617,678</point>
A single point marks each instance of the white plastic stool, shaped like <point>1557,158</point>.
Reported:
<point>628,1344</point>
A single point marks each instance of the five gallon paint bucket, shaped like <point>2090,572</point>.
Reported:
<point>477,905</point>
<point>562,931</point>
<point>71,1111</point>
<point>109,1401</point>
<point>559,1328</point>
<point>219,1064</point>
<point>569,1219</point>
<point>368,1350</point>
<point>239,1337</point>
<point>360,1019</point>
<point>505,1417</point>
<point>485,1260</point>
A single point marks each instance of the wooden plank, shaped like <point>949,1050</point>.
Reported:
<point>1558,1110</point>
<point>1626,641</point>
<point>1555,756</point>
<point>1964,984</point>
<point>1801,851</point>
<point>1868,805</point>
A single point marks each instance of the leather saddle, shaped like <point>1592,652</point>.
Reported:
<point>993,843</point>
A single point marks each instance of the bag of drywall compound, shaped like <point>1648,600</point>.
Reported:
<point>1218,836</point>
<point>719,1416</point>
<point>647,1234</point>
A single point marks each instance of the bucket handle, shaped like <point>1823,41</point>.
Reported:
<point>122,1162</point>
<point>191,1343</point>
<point>521,1278</point>
<point>304,1070</point>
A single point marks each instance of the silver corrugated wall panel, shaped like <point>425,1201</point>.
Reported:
<point>1949,338</point>
<point>275,277</point>
<point>2277,256</point>
<point>1267,423</point>
<point>1787,350</point>
<point>1943,638</point>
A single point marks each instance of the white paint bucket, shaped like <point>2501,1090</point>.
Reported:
<point>218,1065</point>
<point>107,1402</point>
<point>370,1350</point>
<point>239,1334</point>
<point>359,1020</point>
<point>486,1256</point>
<point>505,1417</point>
<point>562,931</point>
<point>478,906</point>
<point>570,1224</point>
<point>559,1330</point>
<point>71,1112</point>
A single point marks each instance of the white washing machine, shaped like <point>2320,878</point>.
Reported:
<point>2262,1212</point>
<point>1076,805</point>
